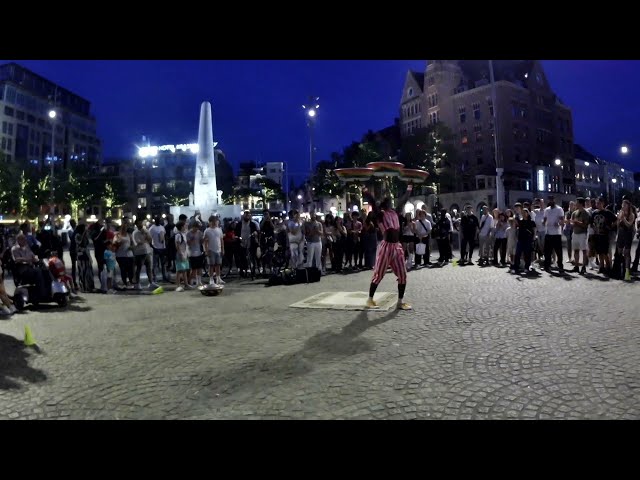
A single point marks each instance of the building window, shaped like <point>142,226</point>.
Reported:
<point>19,114</point>
<point>516,131</point>
<point>142,187</point>
<point>479,157</point>
<point>430,81</point>
<point>171,184</point>
<point>3,143</point>
<point>9,144</point>
<point>481,184</point>
<point>8,157</point>
<point>8,111</point>
<point>410,92</point>
<point>142,202</point>
<point>476,111</point>
<point>155,188</point>
<point>462,111</point>
<point>4,127</point>
<point>463,137</point>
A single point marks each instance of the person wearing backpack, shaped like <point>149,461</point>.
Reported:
<point>182,259</point>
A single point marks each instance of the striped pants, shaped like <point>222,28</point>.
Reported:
<point>390,254</point>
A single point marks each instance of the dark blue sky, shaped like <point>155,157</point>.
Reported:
<point>257,111</point>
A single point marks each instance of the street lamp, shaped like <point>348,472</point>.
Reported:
<point>52,116</point>
<point>498,160</point>
<point>558,162</point>
<point>312,114</point>
<point>624,149</point>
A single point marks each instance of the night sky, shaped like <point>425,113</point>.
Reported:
<point>257,105</point>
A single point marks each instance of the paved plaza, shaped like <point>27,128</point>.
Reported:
<point>480,344</point>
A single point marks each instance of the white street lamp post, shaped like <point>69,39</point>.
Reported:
<point>499,167</point>
<point>52,116</point>
<point>312,112</point>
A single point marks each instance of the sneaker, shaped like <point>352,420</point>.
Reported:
<point>371,303</point>
<point>5,311</point>
<point>13,309</point>
<point>137,287</point>
<point>220,281</point>
<point>627,276</point>
<point>583,270</point>
<point>111,292</point>
<point>404,306</point>
<point>180,289</point>
<point>575,269</point>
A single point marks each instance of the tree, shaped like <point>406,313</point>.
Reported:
<point>270,190</point>
<point>432,149</point>
<point>325,181</point>
<point>114,194</point>
<point>179,195</point>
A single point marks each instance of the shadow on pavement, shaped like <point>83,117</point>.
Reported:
<point>13,363</point>
<point>323,347</point>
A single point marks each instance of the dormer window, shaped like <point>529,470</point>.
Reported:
<point>410,92</point>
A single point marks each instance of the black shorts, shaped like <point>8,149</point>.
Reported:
<point>409,239</point>
<point>196,262</point>
<point>601,244</point>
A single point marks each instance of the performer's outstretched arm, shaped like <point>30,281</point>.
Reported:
<point>403,199</point>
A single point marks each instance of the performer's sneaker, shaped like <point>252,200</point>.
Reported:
<point>404,306</point>
<point>371,303</point>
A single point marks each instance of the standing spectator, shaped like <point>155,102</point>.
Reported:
<point>469,226</point>
<point>369,240</point>
<point>158,243</point>
<point>579,223</point>
<point>408,239</point>
<point>110,264</point>
<point>526,235</point>
<point>512,239</point>
<point>603,221</point>
<point>296,239</point>
<point>104,233</point>
<point>538,217</point>
<point>182,258</point>
<point>196,259</point>
<point>486,224</point>
<point>500,235</point>
<point>423,234</point>
<point>85,268</point>
<point>214,246</point>
<point>340,235</point>
<point>169,232</point>
<point>553,219</point>
<point>123,242</point>
<point>314,232</point>
<point>443,228</point>
<point>626,223</point>
<point>73,252</point>
<point>568,231</point>
<point>143,254</point>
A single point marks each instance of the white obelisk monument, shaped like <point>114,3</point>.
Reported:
<point>205,191</point>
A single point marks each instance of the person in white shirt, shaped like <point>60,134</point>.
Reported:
<point>296,239</point>
<point>553,219</point>
<point>538,217</point>
<point>214,246</point>
<point>486,224</point>
<point>158,244</point>
<point>143,254</point>
<point>423,232</point>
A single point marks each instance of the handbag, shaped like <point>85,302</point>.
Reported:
<point>421,249</point>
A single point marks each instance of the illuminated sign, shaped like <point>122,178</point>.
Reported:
<point>152,151</point>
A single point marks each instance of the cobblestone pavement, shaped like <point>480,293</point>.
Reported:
<point>480,344</point>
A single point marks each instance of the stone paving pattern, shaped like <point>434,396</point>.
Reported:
<point>480,344</point>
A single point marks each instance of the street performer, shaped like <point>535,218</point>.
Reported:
<point>390,252</point>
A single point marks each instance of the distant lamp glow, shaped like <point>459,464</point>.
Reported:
<point>52,114</point>
<point>624,149</point>
<point>622,169</point>
<point>299,197</point>
<point>614,180</point>
<point>558,162</point>
<point>148,216</point>
<point>311,113</point>
<point>526,75</point>
<point>164,215</point>
<point>194,148</point>
<point>586,164</point>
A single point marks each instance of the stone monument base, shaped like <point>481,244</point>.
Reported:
<point>222,211</point>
